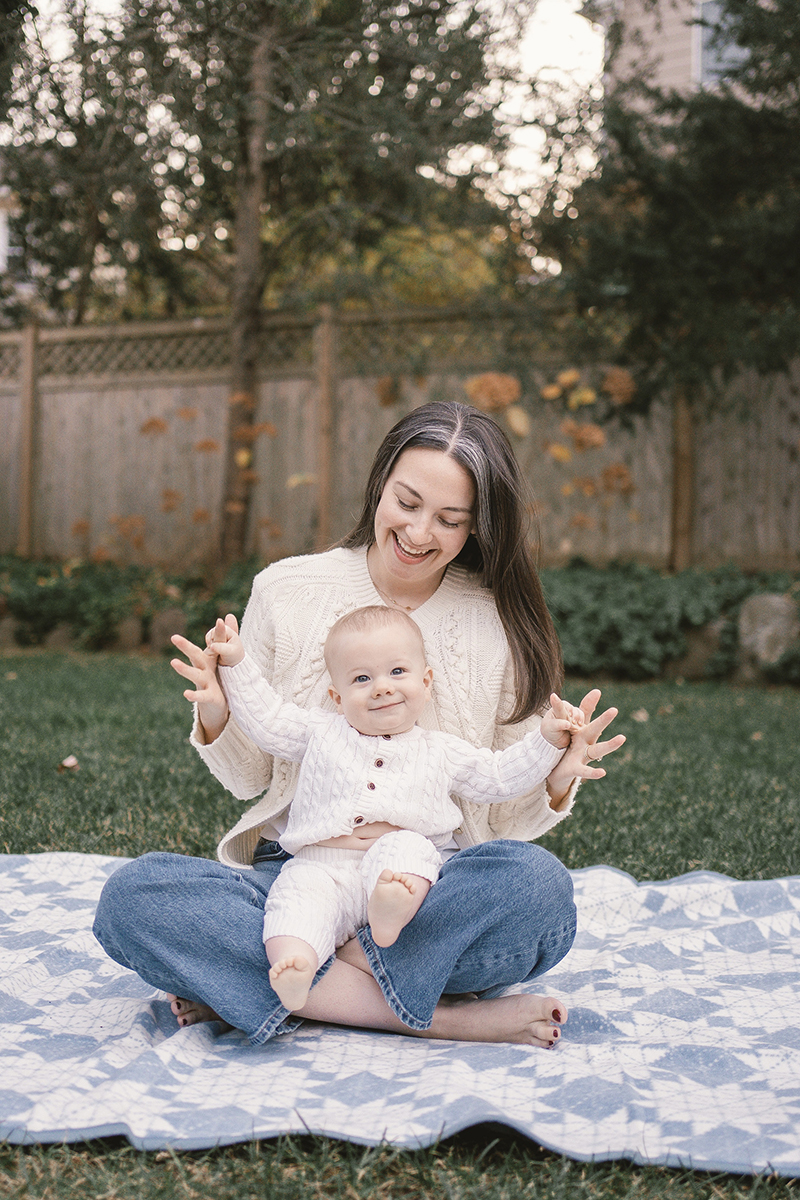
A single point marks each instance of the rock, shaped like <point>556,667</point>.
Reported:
<point>768,626</point>
<point>129,634</point>
<point>59,638</point>
<point>7,627</point>
<point>701,645</point>
<point>164,624</point>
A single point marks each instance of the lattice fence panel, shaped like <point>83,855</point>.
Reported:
<point>285,346</point>
<point>416,345</point>
<point>10,360</point>
<point>200,350</point>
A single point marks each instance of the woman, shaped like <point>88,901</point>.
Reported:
<point>441,536</point>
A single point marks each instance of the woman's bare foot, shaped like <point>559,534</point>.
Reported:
<point>291,978</point>
<point>525,1020</point>
<point>191,1012</point>
<point>394,901</point>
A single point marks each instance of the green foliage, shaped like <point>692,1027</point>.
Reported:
<point>680,252</point>
<point>629,620</point>
<point>124,213</point>
<point>625,620</point>
<point>91,598</point>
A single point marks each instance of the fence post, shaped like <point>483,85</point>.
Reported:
<point>682,482</point>
<point>325,364</point>
<point>27,440</point>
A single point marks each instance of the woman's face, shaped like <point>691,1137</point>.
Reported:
<point>425,515</point>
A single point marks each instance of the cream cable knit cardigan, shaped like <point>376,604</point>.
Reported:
<point>293,605</point>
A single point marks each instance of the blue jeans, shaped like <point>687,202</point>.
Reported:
<point>501,913</point>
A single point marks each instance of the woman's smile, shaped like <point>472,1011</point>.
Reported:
<point>423,519</point>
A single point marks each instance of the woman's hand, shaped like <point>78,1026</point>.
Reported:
<point>583,750</point>
<point>201,670</point>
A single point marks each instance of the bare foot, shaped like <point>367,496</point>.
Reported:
<point>191,1012</point>
<point>525,1020</point>
<point>393,903</point>
<point>291,978</point>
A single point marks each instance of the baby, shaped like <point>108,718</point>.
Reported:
<point>373,806</point>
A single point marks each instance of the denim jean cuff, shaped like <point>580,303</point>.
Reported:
<point>383,981</point>
<point>280,1020</point>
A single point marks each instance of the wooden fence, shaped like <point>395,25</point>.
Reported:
<point>114,443</point>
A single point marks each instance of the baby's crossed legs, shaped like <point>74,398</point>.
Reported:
<point>324,895</point>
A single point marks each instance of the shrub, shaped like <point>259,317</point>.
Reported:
<point>629,620</point>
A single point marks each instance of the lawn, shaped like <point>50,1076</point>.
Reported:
<point>708,779</point>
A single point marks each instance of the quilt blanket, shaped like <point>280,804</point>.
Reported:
<point>682,1045</point>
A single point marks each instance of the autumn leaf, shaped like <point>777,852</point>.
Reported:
<point>567,379</point>
<point>154,425</point>
<point>550,391</point>
<point>559,452</point>
<point>518,420</point>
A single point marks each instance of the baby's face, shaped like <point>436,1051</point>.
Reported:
<point>381,682</point>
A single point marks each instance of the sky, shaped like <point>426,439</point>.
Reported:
<point>560,40</point>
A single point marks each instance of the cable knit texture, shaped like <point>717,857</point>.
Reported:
<point>348,778</point>
<point>292,607</point>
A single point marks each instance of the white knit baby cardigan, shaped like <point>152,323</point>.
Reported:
<point>292,607</point>
<point>349,778</point>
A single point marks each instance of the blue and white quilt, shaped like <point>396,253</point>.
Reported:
<point>682,1046</point>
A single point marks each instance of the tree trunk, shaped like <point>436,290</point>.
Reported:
<point>248,287</point>
<point>682,482</point>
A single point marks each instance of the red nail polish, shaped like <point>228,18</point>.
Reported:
<point>557,1014</point>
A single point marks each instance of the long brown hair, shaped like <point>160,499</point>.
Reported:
<point>500,550</point>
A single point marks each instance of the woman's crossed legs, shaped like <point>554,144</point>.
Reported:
<point>501,913</point>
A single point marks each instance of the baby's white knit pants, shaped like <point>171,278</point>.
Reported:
<point>321,894</point>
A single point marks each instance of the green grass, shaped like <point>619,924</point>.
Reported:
<point>693,788</point>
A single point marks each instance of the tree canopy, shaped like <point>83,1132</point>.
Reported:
<point>680,253</point>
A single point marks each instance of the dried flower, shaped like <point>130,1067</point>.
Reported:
<point>582,520</point>
<point>186,413</point>
<point>244,400</point>
<point>243,457</point>
<point>388,390</point>
<point>617,478</point>
<point>201,516</point>
<point>619,384</point>
<point>249,433</point>
<point>493,390</point>
<point>585,484</point>
<point>170,500</point>
<point>208,446</point>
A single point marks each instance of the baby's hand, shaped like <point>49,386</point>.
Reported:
<point>561,721</point>
<point>224,641</point>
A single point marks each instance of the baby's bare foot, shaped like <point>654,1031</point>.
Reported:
<point>192,1012</point>
<point>524,1019</point>
<point>291,977</point>
<point>393,903</point>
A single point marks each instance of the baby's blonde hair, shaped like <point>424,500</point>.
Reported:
<point>371,616</point>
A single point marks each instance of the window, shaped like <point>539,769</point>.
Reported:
<point>714,54</point>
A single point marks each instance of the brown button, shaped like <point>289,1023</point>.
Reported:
<point>358,821</point>
<point>387,737</point>
<point>371,787</point>
<point>378,762</point>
